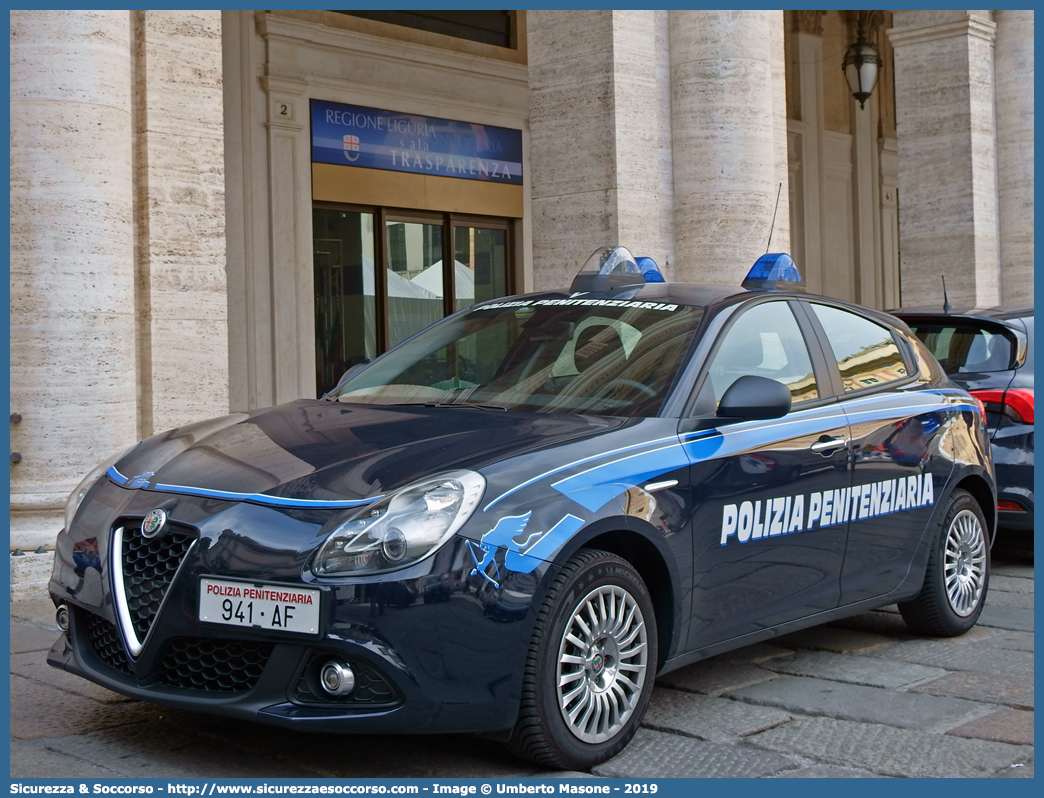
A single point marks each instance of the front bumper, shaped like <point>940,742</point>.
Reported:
<point>435,648</point>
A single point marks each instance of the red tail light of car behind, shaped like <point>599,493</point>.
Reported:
<point>1016,403</point>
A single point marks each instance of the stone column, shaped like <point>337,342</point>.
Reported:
<point>118,301</point>
<point>944,95</point>
<point>866,202</point>
<point>599,137</point>
<point>183,322</point>
<point>729,125</point>
<point>781,151</point>
<point>645,180</point>
<point>73,364</point>
<point>1014,66</point>
<point>888,154</point>
<point>807,42</point>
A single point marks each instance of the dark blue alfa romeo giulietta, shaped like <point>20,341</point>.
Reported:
<point>514,520</point>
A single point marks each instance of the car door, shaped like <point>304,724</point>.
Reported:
<point>896,440</point>
<point>770,496</point>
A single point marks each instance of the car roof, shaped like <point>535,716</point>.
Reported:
<point>691,294</point>
<point>704,295</point>
<point>699,295</point>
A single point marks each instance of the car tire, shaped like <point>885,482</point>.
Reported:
<point>590,667</point>
<point>957,575</point>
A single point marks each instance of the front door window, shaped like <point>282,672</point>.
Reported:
<point>767,343</point>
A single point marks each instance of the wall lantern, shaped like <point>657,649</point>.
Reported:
<point>862,63</point>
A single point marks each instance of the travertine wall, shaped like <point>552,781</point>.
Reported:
<point>599,137</point>
<point>1014,64</point>
<point>642,99</point>
<point>181,222</point>
<point>729,118</point>
<point>118,318</point>
<point>73,361</point>
<point>948,217</point>
<point>662,131</point>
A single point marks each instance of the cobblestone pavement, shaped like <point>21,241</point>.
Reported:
<point>858,698</point>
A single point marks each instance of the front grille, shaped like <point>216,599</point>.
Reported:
<point>372,690</point>
<point>213,665</point>
<point>104,638</point>
<point>149,566</point>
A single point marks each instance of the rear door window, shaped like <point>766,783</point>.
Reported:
<point>866,352</point>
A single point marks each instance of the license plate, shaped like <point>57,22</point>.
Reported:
<point>259,606</point>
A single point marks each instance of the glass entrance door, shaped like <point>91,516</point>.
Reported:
<point>480,273</point>
<point>345,307</point>
<point>480,265</point>
<point>415,287</point>
<point>373,292</point>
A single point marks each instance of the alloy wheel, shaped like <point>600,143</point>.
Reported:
<point>964,568</point>
<point>602,664</point>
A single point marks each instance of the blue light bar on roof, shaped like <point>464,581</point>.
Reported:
<point>650,271</point>
<point>612,271</point>
<point>774,272</point>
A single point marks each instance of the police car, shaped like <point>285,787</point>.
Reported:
<point>514,520</point>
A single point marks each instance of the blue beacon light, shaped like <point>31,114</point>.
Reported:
<point>614,271</point>
<point>774,272</point>
<point>650,271</point>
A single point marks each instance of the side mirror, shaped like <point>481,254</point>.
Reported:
<point>751,397</point>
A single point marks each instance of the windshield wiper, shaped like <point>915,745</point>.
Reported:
<point>476,405</point>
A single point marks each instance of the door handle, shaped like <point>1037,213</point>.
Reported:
<point>825,445</point>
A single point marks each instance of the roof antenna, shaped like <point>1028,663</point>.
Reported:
<point>947,307</point>
<point>773,225</point>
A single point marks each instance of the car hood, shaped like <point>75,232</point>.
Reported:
<point>319,451</point>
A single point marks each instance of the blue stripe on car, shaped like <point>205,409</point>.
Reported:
<point>255,498</point>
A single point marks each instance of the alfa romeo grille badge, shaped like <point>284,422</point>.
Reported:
<point>153,523</point>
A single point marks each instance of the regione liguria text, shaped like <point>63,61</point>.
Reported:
<point>785,515</point>
<point>351,135</point>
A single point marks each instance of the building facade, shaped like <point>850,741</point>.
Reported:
<point>186,242</point>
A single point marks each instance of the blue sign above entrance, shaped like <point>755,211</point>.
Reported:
<point>350,135</point>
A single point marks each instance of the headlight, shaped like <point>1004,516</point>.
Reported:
<point>76,497</point>
<point>402,528</point>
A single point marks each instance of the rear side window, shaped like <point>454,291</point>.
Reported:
<point>964,348</point>
<point>865,351</point>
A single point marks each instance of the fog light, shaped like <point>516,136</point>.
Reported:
<point>337,678</point>
<point>61,617</point>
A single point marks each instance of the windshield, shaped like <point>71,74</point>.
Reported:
<point>964,347</point>
<point>602,357</point>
